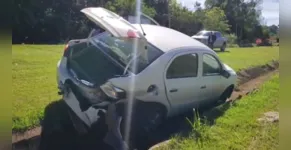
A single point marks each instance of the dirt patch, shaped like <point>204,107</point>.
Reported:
<point>270,117</point>
<point>251,86</point>
<point>246,75</point>
<point>248,81</point>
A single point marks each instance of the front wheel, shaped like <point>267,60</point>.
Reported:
<point>223,47</point>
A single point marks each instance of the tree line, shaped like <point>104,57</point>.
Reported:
<point>57,21</point>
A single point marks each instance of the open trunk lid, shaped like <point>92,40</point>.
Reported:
<point>117,27</point>
<point>111,22</point>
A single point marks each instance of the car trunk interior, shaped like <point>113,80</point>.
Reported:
<point>90,64</point>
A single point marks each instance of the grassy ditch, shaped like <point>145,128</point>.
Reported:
<point>239,127</point>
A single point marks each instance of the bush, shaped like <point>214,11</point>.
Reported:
<point>245,43</point>
<point>231,40</point>
<point>265,43</point>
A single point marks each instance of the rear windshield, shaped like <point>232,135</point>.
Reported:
<point>122,51</point>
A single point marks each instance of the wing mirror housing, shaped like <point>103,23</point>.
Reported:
<point>225,73</point>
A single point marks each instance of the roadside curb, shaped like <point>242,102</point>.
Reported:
<point>16,137</point>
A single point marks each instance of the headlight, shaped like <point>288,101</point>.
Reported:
<point>112,91</point>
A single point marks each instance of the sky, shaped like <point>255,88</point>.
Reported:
<point>270,9</point>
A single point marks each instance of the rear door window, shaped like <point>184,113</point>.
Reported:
<point>183,66</point>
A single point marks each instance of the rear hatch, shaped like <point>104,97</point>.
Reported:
<point>93,60</point>
<point>90,66</point>
<point>116,26</point>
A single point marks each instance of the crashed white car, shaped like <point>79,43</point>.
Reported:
<point>163,72</point>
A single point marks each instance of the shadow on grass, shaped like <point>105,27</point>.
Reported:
<point>58,131</point>
<point>53,110</point>
<point>218,51</point>
<point>212,114</point>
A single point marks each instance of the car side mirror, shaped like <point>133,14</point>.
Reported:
<point>225,73</point>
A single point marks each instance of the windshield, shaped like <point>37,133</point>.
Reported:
<point>122,51</point>
<point>203,33</point>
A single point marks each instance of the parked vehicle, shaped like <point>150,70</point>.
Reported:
<point>171,75</point>
<point>220,41</point>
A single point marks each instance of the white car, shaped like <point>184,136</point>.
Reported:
<point>220,41</point>
<point>166,72</point>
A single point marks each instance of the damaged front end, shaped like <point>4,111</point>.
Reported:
<point>101,121</point>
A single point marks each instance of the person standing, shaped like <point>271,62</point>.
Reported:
<point>213,39</point>
<point>210,40</point>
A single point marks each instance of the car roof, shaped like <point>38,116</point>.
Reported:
<point>168,39</point>
<point>208,31</point>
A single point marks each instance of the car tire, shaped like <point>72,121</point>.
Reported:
<point>143,122</point>
<point>221,100</point>
<point>223,47</point>
<point>226,94</point>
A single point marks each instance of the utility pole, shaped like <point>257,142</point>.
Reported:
<point>169,14</point>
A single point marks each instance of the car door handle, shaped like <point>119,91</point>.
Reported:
<point>173,90</point>
<point>203,87</point>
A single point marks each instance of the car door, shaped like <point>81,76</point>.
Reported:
<point>211,77</point>
<point>182,81</point>
<point>219,41</point>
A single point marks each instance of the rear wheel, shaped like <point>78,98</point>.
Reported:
<point>143,122</point>
<point>223,47</point>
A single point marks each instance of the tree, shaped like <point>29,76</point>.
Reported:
<point>128,7</point>
<point>162,10</point>
<point>273,29</point>
<point>51,21</point>
<point>266,32</point>
<point>215,19</point>
<point>183,20</point>
<point>242,15</point>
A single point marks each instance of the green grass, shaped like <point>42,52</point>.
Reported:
<point>241,58</point>
<point>238,128</point>
<point>33,81</point>
<point>34,77</point>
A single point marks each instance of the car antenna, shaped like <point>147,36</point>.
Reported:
<point>142,29</point>
<point>141,14</point>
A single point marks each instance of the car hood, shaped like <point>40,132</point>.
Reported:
<point>229,69</point>
<point>199,37</point>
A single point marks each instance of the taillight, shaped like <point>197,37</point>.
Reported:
<point>132,34</point>
<point>66,47</point>
<point>66,50</point>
